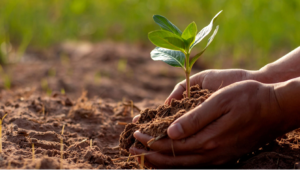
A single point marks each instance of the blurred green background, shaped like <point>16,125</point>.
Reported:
<point>252,32</point>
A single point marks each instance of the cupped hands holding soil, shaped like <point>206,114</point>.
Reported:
<point>155,122</point>
<point>236,120</point>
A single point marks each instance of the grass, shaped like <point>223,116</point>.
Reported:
<point>62,91</point>
<point>6,78</point>
<point>1,120</point>
<point>45,86</point>
<point>62,147</point>
<point>7,81</point>
<point>250,34</point>
<point>128,157</point>
<point>97,77</point>
<point>142,160</point>
<point>131,102</point>
<point>122,65</point>
<point>33,153</point>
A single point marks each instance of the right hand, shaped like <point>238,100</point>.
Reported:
<point>210,79</point>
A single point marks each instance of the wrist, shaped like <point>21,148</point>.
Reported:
<point>287,95</point>
<point>258,75</point>
<point>263,75</point>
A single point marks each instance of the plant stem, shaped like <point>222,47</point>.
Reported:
<point>187,74</point>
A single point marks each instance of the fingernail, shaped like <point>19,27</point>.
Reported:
<point>167,102</point>
<point>136,132</point>
<point>175,131</point>
<point>136,118</point>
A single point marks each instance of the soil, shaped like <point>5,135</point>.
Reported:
<point>155,122</point>
<point>120,81</point>
<point>90,138</point>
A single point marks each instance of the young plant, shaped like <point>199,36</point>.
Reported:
<point>174,47</point>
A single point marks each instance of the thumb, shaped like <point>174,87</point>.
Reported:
<point>198,118</point>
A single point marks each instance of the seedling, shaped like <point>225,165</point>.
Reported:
<point>174,47</point>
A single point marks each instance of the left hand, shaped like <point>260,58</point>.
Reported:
<point>233,121</point>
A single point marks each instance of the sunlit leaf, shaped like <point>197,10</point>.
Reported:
<point>205,31</point>
<point>211,38</point>
<point>165,24</point>
<point>166,39</point>
<point>189,33</point>
<point>171,57</point>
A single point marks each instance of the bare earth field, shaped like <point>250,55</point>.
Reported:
<point>92,91</point>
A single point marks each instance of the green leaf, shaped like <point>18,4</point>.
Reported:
<point>171,57</point>
<point>195,58</point>
<point>189,33</point>
<point>165,24</point>
<point>167,39</point>
<point>205,31</point>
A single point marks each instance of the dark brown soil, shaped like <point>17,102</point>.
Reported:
<point>90,138</point>
<point>113,74</point>
<point>155,122</point>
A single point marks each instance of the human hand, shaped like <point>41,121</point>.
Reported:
<point>233,121</point>
<point>212,80</point>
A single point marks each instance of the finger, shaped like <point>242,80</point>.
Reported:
<point>165,161</point>
<point>199,143</point>
<point>136,118</point>
<point>181,87</point>
<point>177,92</point>
<point>198,118</point>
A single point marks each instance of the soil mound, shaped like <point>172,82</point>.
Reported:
<point>155,122</point>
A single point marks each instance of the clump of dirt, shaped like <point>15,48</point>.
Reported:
<point>91,131</point>
<point>155,122</point>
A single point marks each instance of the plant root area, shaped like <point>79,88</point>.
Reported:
<point>87,125</point>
